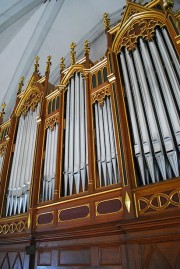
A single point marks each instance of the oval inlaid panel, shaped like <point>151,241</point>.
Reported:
<point>74,213</point>
<point>45,218</point>
<point>109,206</point>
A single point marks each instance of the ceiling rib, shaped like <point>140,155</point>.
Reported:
<point>17,11</point>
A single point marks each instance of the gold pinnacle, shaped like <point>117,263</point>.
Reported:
<point>3,106</point>
<point>2,112</point>
<point>106,21</point>
<point>36,65</point>
<point>62,64</point>
<point>48,63</point>
<point>86,47</point>
<point>73,53</point>
<point>21,83</point>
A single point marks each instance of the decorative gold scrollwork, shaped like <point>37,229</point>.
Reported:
<point>142,28</point>
<point>5,228</point>
<point>3,147</point>
<point>159,201</point>
<point>73,53</point>
<point>31,102</point>
<point>100,95</point>
<point>13,227</point>
<point>51,121</point>
<point>131,12</point>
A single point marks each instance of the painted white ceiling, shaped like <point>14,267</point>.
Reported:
<point>32,27</point>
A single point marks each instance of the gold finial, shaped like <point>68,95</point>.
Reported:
<point>21,83</point>
<point>62,64</point>
<point>73,53</point>
<point>3,106</point>
<point>168,5</point>
<point>106,22</point>
<point>48,63</point>
<point>86,47</point>
<point>36,65</point>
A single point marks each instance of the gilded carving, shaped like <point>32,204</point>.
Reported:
<point>30,103</point>
<point>62,65</point>
<point>73,53</point>
<point>21,84</point>
<point>13,227</point>
<point>100,95</point>
<point>127,202</point>
<point>48,63</point>
<point>142,28</point>
<point>36,65</point>
<point>86,47</point>
<point>3,147</point>
<point>51,121</point>
<point>106,21</point>
<point>159,201</point>
<point>132,11</point>
<point>2,112</point>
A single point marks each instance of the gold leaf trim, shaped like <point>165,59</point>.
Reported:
<point>100,95</point>
<point>13,227</point>
<point>163,200</point>
<point>3,147</point>
<point>51,121</point>
<point>142,28</point>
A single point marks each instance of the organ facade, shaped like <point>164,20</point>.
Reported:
<point>90,168</point>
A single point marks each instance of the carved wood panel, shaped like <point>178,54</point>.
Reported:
<point>164,255</point>
<point>14,260</point>
<point>80,257</point>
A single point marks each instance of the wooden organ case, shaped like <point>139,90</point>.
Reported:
<point>90,168</point>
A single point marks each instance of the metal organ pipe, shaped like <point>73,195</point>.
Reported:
<point>22,165</point>
<point>167,137</point>
<point>83,135</point>
<point>66,153</point>
<point>154,139</point>
<point>171,50</point>
<point>1,161</point>
<point>75,153</point>
<point>105,144</point>
<point>136,136</point>
<point>76,135</point>
<point>149,102</point>
<point>145,140</point>
<point>175,120</point>
<point>50,163</point>
<point>170,70</point>
<point>71,139</point>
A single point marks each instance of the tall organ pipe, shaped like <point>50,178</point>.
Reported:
<point>105,144</point>
<point>136,136</point>
<point>50,163</point>
<point>75,153</point>
<point>175,120</point>
<point>20,178</point>
<point>151,105</point>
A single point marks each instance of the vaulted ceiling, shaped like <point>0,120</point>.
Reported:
<point>39,27</point>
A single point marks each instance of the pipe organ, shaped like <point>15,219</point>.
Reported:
<point>90,168</point>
